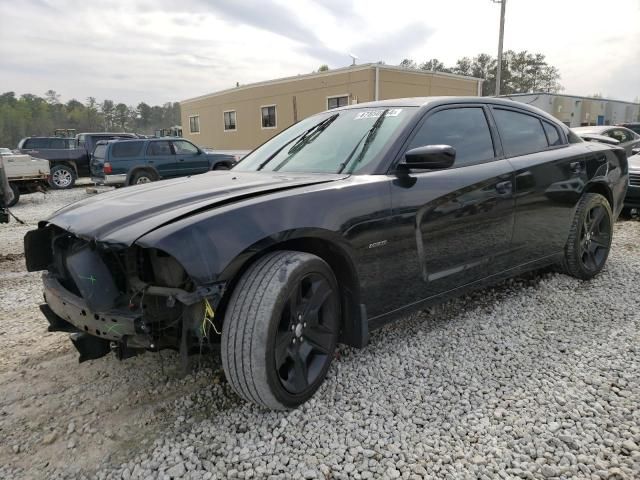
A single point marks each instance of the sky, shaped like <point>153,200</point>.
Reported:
<point>159,51</point>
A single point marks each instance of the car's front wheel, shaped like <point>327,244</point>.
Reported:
<point>590,237</point>
<point>281,328</point>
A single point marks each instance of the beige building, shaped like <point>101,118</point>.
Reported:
<point>246,116</point>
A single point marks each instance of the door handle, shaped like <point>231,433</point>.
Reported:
<point>504,188</point>
<point>576,167</point>
<point>181,159</point>
<point>151,161</point>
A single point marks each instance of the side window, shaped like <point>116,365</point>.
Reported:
<point>268,114</point>
<point>465,129</point>
<point>520,133</point>
<point>622,135</point>
<point>81,141</point>
<point>336,102</point>
<point>194,124</point>
<point>184,148</point>
<point>125,149</point>
<point>553,136</point>
<point>159,148</point>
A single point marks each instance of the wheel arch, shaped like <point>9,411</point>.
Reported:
<point>139,168</point>
<point>602,188</point>
<point>354,331</point>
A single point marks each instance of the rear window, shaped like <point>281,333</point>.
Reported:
<point>126,149</point>
<point>58,143</point>
<point>99,151</point>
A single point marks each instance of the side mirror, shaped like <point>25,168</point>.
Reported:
<point>430,157</point>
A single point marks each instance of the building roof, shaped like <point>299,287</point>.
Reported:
<point>568,96</point>
<point>352,68</point>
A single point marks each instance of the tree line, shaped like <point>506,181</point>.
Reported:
<point>522,72</point>
<point>30,114</point>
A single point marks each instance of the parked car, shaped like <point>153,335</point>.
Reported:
<point>25,174</point>
<point>69,157</point>
<point>627,139</point>
<point>635,126</point>
<point>632,200</point>
<point>131,162</point>
<point>331,229</point>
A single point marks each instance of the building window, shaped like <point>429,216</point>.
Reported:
<point>269,116</point>
<point>194,124</point>
<point>229,120</point>
<point>336,102</point>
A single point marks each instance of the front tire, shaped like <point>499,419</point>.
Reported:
<point>281,329</point>
<point>62,177</point>
<point>589,241</point>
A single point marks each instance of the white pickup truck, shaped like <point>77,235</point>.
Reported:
<point>25,173</point>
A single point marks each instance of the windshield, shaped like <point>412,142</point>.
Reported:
<point>330,142</point>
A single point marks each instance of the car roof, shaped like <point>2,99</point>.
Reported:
<point>426,102</point>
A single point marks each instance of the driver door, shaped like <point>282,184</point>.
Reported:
<point>451,227</point>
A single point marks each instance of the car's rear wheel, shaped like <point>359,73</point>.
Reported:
<point>590,237</point>
<point>16,194</point>
<point>62,177</point>
<point>281,328</point>
<point>141,177</point>
<point>221,166</point>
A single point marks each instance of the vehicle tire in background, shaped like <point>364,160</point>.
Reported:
<point>16,194</point>
<point>142,176</point>
<point>281,328</point>
<point>589,242</point>
<point>62,177</point>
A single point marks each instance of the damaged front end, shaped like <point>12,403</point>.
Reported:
<point>124,299</point>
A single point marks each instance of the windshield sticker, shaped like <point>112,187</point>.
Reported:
<point>394,112</point>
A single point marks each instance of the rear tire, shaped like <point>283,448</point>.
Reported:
<point>62,177</point>
<point>141,177</point>
<point>221,166</point>
<point>16,194</point>
<point>281,329</point>
<point>589,241</point>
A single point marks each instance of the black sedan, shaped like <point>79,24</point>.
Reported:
<point>338,225</point>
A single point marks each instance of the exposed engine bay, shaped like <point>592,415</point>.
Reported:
<point>122,299</point>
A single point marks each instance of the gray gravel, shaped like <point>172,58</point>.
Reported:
<point>536,378</point>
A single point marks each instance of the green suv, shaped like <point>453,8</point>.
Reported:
<point>130,162</point>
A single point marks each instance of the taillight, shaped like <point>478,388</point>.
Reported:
<point>106,168</point>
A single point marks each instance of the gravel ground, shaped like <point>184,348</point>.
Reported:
<point>538,377</point>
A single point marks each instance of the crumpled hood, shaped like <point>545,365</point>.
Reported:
<point>124,215</point>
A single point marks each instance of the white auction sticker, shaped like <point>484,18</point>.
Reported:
<point>394,112</point>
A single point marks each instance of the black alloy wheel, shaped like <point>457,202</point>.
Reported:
<point>595,238</point>
<point>306,334</point>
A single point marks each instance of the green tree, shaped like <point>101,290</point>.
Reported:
<point>323,68</point>
<point>434,65</point>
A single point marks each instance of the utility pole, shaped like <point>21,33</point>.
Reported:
<point>503,5</point>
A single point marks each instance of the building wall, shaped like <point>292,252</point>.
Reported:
<point>309,94</point>
<point>403,84</point>
<point>575,111</point>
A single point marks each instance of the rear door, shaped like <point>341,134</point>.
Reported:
<point>452,227</point>
<point>549,177</point>
<point>191,160</point>
<point>160,156</point>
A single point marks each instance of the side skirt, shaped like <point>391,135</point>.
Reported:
<point>386,318</point>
